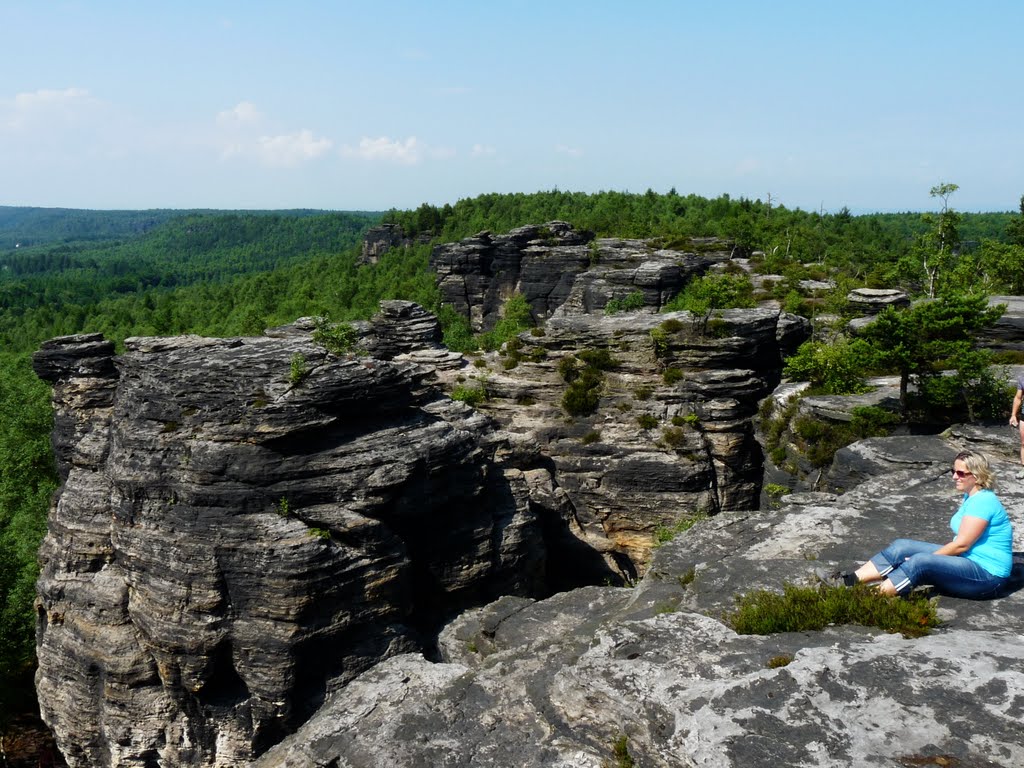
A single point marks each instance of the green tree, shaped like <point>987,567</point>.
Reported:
<point>940,244</point>
<point>920,342</point>
<point>1015,227</point>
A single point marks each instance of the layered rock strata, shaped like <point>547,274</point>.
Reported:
<point>585,678</point>
<point>670,436</point>
<point>558,269</point>
<point>244,525</point>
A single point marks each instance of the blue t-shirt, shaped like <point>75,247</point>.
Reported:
<point>993,550</point>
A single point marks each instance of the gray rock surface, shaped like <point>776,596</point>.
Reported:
<point>245,525</point>
<point>559,270</point>
<point>871,301</point>
<point>558,682</point>
<point>1008,332</point>
<point>672,434</point>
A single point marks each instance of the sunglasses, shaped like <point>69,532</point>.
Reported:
<point>961,473</point>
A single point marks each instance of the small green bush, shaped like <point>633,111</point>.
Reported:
<point>646,421</point>
<point>664,534</point>
<point>819,440</point>
<point>568,369</point>
<point>837,368</point>
<point>582,397</point>
<point>601,359</point>
<point>672,325</point>
<point>337,338</point>
<point>620,751</point>
<point>643,392</point>
<point>711,292</point>
<point>779,661</point>
<point>516,317</point>
<point>299,369</point>
<point>283,508</point>
<point>672,375</point>
<point>591,437</point>
<point>673,437</point>
<point>659,342</point>
<point>630,303</point>
<point>803,609</point>
<point>469,394</point>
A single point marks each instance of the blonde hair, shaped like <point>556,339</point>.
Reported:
<point>977,465</point>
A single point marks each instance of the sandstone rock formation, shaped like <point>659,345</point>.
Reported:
<point>871,301</point>
<point>558,268</point>
<point>656,671</point>
<point>671,434</point>
<point>245,525</point>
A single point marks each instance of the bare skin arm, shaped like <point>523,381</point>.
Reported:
<point>1015,408</point>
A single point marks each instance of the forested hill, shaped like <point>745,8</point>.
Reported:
<point>27,226</point>
<point>130,285</point>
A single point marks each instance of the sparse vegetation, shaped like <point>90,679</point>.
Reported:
<point>337,338</point>
<point>299,368</point>
<point>803,609</point>
<point>781,660</point>
<point>672,376</point>
<point>470,394</point>
<point>686,578</point>
<point>630,303</point>
<point>646,421</point>
<point>620,753</point>
<point>664,534</point>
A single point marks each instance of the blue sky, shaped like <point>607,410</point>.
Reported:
<point>359,105</point>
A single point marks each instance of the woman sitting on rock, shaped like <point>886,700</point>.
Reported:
<point>975,564</point>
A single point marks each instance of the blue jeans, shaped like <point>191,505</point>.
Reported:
<point>909,563</point>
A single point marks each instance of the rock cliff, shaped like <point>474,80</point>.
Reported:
<point>244,525</point>
<point>589,676</point>
<point>560,269</point>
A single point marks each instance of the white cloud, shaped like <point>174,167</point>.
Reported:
<point>289,150</point>
<point>408,152</point>
<point>243,112</point>
<point>482,150</point>
<point>47,105</point>
<point>570,151</point>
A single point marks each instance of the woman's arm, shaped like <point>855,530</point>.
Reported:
<point>970,531</point>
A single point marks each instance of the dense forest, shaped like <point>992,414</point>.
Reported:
<point>126,273</point>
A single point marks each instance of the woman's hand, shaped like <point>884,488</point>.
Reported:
<point>971,529</point>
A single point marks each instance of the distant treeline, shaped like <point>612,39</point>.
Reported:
<point>865,247</point>
<point>26,226</point>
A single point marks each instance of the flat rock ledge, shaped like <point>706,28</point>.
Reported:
<point>558,682</point>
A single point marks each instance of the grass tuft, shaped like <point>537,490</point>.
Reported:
<point>801,609</point>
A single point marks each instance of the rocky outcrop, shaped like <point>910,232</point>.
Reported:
<point>380,239</point>
<point>1008,332</point>
<point>245,525</point>
<point>586,676</point>
<point>557,269</point>
<point>670,435</point>
<point>871,301</point>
